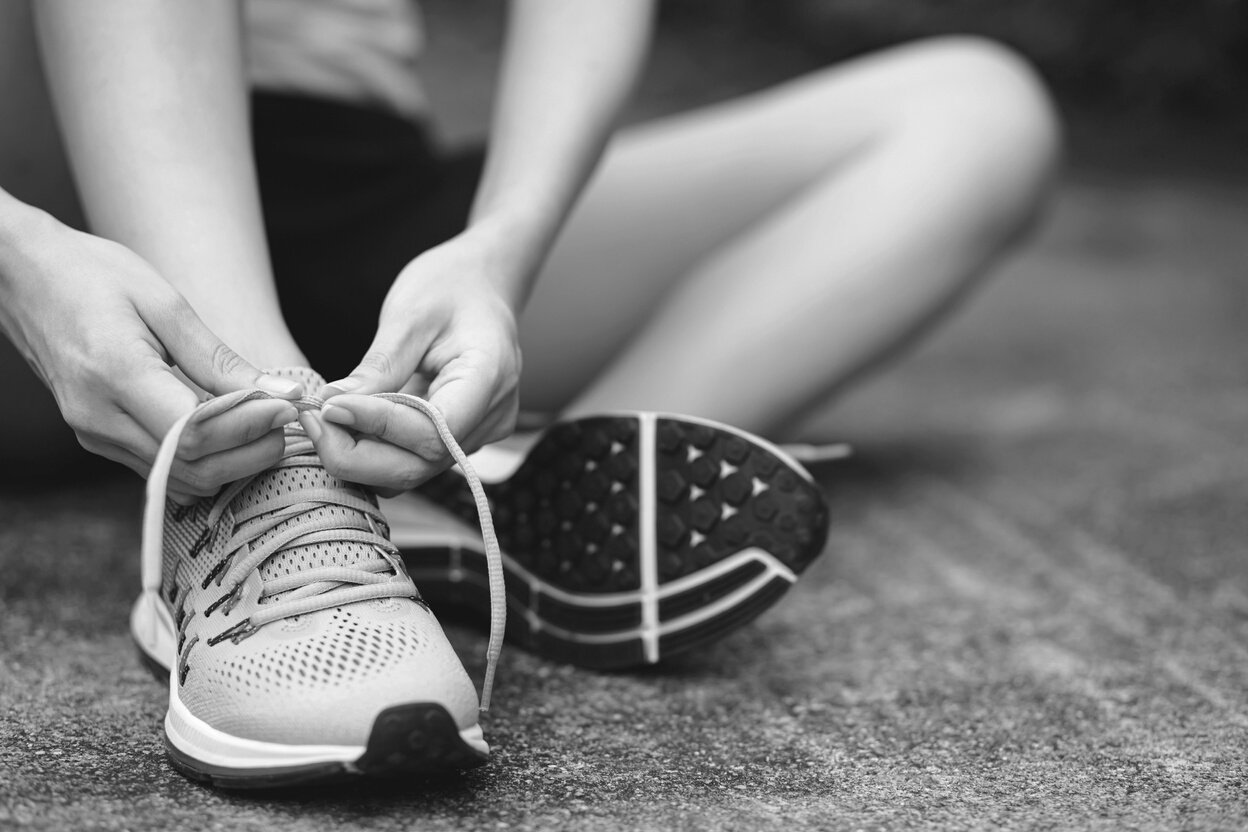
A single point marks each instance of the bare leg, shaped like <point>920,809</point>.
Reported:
<point>229,284</point>
<point>163,159</point>
<point>748,260</point>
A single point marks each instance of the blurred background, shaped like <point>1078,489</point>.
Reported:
<point>1143,84</point>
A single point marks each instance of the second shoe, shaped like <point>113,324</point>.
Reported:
<point>626,538</point>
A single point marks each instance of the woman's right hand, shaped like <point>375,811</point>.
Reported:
<point>104,332</point>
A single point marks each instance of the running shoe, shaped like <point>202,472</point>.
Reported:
<point>626,538</point>
<point>297,647</point>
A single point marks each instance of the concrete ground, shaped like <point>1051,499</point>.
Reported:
<point>1032,612</point>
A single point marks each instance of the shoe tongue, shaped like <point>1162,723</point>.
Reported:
<point>279,481</point>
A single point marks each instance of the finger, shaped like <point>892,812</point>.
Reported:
<point>180,492</point>
<point>465,393</point>
<point>204,358</point>
<point>499,424</point>
<point>388,365</point>
<point>366,460</point>
<point>116,453</point>
<point>236,427</point>
<point>154,399</point>
<point>417,385</point>
<point>206,475</point>
<point>411,429</point>
<point>388,421</point>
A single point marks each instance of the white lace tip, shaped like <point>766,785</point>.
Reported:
<point>841,451</point>
<point>809,454</point>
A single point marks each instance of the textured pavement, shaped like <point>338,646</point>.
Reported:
<point>1032,613</point>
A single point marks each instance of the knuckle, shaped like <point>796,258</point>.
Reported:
<point>167,304</point>
<point>276,447</point>
<point>226,362</point>
<point>92,444</point>
<point>259,430</point>
<point>408,478</point>
<point>434,452</point>
<point>78,421</point>
<point>191,446</point>
<point>195,489</point>
<point>384,422</point>
<point>377,361</point>
<point>205,475</point>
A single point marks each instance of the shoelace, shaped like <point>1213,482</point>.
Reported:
<point>325,587</point>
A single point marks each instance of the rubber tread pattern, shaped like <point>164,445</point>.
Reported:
<point>727,494</point>
<point>569,512</point>
<point>570,515</point>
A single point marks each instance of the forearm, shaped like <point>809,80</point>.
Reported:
<point>152,103</point>
<point>568,67</point>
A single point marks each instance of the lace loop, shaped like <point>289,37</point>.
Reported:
<point>316,589</point>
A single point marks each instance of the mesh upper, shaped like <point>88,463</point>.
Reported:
<point>320,678</point>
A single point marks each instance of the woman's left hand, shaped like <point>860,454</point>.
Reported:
<point>448,333</point>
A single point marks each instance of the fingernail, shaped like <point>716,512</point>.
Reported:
<point>282,387</point>
<point>338,415</point>
<point>311,426</point>
<point>345,385</point>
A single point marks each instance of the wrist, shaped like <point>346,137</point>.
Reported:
<point>513,246</point>
<point>23,228</point>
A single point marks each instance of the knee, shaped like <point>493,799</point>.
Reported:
<point>997,104</point>
<point>987,114</point>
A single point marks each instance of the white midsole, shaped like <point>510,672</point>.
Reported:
<point>153,631</point>
<point>205,744</point>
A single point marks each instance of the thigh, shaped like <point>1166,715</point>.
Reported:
<point>676,191</point>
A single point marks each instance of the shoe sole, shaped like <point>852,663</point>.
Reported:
<point>628,539</point>
<point>413,739</point>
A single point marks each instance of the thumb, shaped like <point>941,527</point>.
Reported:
<point>207,360</point>
<point>384,369</point>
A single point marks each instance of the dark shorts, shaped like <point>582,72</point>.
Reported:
<point>350,196</point>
